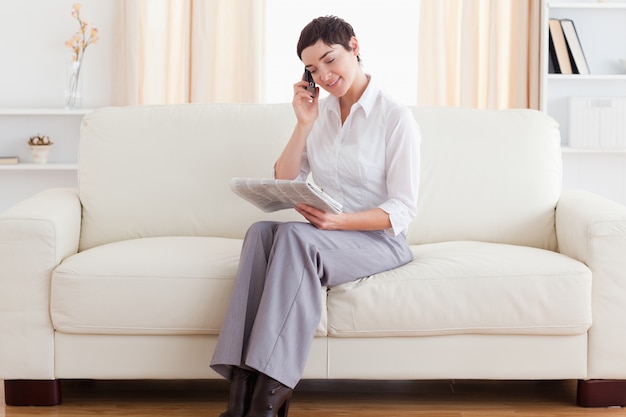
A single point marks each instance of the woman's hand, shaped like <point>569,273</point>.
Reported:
<point>305,106</point>
<point>289,162</point>
<point>373,219</point>
<point>321,219</point>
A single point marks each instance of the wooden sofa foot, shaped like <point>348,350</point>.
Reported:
<point>20,392</point>
<point>601,393</point>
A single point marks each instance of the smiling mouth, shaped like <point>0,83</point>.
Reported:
<point>334,83</point>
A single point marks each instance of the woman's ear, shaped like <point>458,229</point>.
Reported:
<point>354,44</point>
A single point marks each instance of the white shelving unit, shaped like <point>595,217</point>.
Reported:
<point>601,27</point>
<point>28,166</point>
<point>26,178</point>
<point>43,111</point>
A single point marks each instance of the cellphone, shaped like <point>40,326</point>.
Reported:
<point>308,77</point>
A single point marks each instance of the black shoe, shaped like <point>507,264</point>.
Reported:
<point>270,398</point>
<point>240,394</point>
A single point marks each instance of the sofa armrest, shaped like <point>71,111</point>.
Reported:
<point>592,230</point>
<point>35,236</point>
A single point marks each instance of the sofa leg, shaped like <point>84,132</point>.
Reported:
<point>23,392</point>
<point>601,393</point>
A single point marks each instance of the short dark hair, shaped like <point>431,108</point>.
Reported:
<point>331,30</point>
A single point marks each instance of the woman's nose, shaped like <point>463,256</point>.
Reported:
<point>325,75</point>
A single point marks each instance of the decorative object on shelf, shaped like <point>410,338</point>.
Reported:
<point>74,87</point>
<point>559,57</point>
<point>597,122</point>
<point>40,148</point>
<point>566,54</point>
<point>577,56</point>
<point>84,37</point>
<point>9,160</point>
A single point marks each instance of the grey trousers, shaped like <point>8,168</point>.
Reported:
<point>275,305</point>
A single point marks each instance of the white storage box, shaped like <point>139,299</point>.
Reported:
<point>597,122</point>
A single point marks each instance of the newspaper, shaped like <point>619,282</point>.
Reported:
<point>272,195</point>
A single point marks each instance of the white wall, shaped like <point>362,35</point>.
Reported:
<point>34,56</point>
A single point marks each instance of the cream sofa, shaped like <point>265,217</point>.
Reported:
<point>128,276</point>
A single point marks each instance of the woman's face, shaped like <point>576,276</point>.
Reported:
<point>332,66</point>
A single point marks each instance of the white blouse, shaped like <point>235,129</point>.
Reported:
<point>372,160</point>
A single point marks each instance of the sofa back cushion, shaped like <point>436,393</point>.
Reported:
<point>150,171</point>
<point>488,175</point>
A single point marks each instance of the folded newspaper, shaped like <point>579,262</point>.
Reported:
<point>272,195</point>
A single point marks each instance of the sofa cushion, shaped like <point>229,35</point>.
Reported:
<point>158,286</point>
<point>164,170</point>
<point>467,287</point>
<point>488,175</point>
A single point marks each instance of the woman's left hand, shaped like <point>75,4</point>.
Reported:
<point>321,219</point>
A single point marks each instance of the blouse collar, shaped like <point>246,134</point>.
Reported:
<point>366,101</point>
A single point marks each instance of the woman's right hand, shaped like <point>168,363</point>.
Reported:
<point>289,162</point>
<point>305,106</point>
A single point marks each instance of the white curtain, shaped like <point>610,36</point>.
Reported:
<point>179,51</point>
<point>479,53</point>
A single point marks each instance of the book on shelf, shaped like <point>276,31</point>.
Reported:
<point>9,160</point>
<point>558,48</point>
<point>574,47</point>
<point>272,195</point>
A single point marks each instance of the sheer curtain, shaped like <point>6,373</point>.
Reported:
<point>479,53</point>
<point>178,51</point>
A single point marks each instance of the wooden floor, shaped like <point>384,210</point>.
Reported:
<point>324,398</point>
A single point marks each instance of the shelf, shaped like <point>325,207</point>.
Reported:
<point>25,166</point>
<point>587,77</point>
<point>597,151</point>
<point>586,5</point>
<point>43,111</point>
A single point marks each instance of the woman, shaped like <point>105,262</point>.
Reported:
<point>362,148</point>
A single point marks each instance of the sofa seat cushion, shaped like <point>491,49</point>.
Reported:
<point>467,287</point>
<point>157,286</point>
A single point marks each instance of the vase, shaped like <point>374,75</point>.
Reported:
<point>73,87</point>
<point>40,153</point>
